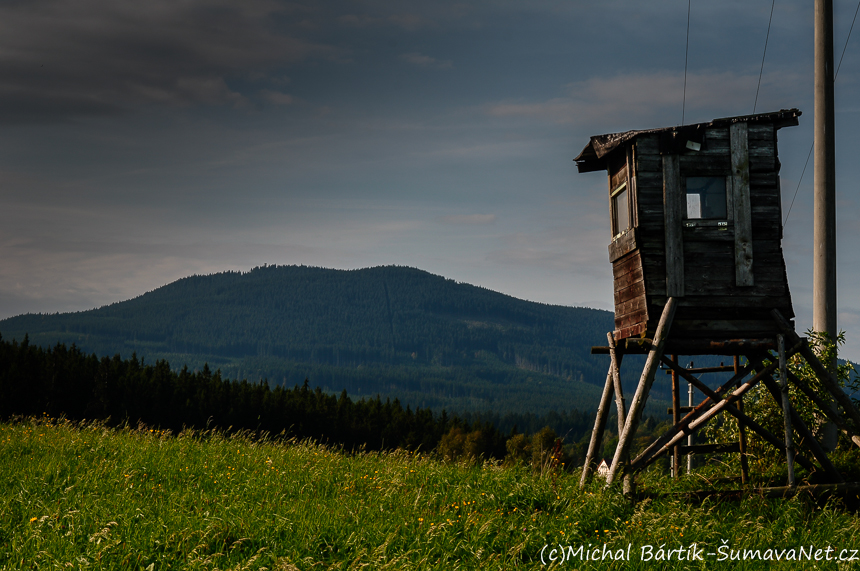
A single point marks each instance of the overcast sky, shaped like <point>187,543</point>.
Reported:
<point>141,142</point>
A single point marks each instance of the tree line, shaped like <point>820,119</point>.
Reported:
<point>65,382</point>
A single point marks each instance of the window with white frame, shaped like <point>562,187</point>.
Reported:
<point>620,210</point>
<point>706,198</point>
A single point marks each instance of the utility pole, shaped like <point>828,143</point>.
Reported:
<point>824,235</point>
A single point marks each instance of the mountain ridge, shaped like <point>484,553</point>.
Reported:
<point>396,331</point>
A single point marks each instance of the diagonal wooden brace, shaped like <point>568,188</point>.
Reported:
<point>704,405</point>
<point>702,413</point>
<point>714,397</point>
<point>691,425</point>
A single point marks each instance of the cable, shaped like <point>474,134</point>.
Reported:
<point>686,55</point>
<point>761,71</point>
<point>846,42</point>
<point>798,184</point>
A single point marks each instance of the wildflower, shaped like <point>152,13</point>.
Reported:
<point>32,519</point>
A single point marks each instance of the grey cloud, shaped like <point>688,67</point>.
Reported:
<point>61,60</point>
<point>422,60</point>
<point>469,219</point>
<point>552,248</point>
<point>277,97</point>
<point>408,21</point>
<point>635,100</point>
<point>358,20</point>
<point>20,105</point>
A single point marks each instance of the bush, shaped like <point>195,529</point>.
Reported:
<point>543,451</point>
<point>457,445</point>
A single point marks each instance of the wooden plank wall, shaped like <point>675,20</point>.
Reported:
<point>739,192</point>
<point>674,208</point>
<point>651,231</point>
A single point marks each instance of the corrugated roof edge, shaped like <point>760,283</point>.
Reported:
<point>592,156</point>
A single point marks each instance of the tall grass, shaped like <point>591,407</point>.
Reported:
<point>76,496</point>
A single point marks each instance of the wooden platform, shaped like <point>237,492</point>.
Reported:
<point>765,359</point>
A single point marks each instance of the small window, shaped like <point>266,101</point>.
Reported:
<point>620,210</point>
<point>706,198</point>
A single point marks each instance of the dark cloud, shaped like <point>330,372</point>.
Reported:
<point>30,106</point>
<point>61,60</point>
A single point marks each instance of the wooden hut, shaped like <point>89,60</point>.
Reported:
<point>696,215</point>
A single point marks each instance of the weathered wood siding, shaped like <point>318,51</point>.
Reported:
<point>631,304</point>
<point>719,299</point>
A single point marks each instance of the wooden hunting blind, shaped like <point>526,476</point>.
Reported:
<point>695,214</point>
<point>696,231</point>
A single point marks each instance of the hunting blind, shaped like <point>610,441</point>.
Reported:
<point>695,214</point>
<point>696,228</point>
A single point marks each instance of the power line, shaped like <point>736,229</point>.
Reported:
<point>686,55</point>
<point>761,71</point>
<point>846,42</point>
<point>798,184</point>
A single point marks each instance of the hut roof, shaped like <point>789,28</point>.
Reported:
<point>672,139</point>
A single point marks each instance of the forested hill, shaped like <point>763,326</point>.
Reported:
<point>394,331</point>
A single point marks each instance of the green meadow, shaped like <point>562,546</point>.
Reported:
<point>83,496</point>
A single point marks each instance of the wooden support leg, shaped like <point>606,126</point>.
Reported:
<point>690,437</point>
<point>619,400</point>
<point>676,416</point>
<point>786,411</point>
<point>742,435</point>
<point>599,426</point>
<point>641,397</point>
<point>806,435</point>
<point>615,371</point>
<point>827,378</point>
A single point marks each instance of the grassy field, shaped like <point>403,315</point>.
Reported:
<point>88,497</point>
